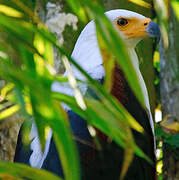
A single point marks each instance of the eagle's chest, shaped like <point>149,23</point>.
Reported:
<point>123,93</point>
<point>119,85</point>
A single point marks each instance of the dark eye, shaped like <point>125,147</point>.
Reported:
<point>122,22</point>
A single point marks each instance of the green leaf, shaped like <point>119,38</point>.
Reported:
<point>173,140</point>
<point>141,3</point>
<point>78,9</point>
<point>10,11</point>
<point>9,111</point>
<point>5,90</point>
<point>24,171</point>
<point>175,5</point>
<point>128,154</point>
<point>47,111</point>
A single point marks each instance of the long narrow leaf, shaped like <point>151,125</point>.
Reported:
<point>24,171</point>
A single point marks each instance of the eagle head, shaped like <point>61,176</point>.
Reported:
<point>132,26</point>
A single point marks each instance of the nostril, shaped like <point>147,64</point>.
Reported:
<point>145,24</point>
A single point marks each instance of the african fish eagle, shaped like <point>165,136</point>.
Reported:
<point>106,164</point>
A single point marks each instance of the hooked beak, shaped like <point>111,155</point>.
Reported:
<point>153,30</point>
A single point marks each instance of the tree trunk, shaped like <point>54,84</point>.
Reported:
<point>169,89</point>
<point>8,134</point>
<point>9,129</point>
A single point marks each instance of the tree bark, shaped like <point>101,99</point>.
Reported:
<point>8,134</point>
<point>9,129</point>
<point>169,89</point>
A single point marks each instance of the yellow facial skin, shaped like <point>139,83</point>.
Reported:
<point>134,28</point>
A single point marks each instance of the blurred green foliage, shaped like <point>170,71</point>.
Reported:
<point>26,61</point>
<point>27,54</point>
